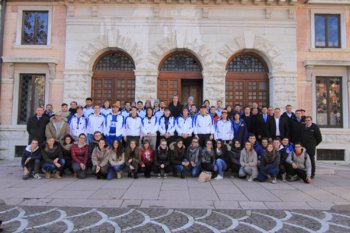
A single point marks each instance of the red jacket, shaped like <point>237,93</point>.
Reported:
<point>146,156</point>
<point>80,155</point>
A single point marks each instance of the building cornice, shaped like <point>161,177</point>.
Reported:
<point>333,2</point>
<point>43,60</point>
<point>310,63</point>
<point>193,2</point>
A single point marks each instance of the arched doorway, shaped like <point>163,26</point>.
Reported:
<point>247,80</point>
<point>180,73</point>
<point>113,78</point>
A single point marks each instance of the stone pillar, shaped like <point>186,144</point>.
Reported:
<point>77,86</point>
<point>145,85</point>
<point>214,85</point>
<point>283,90</point>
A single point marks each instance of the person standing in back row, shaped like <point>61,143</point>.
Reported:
<point>311,137</point>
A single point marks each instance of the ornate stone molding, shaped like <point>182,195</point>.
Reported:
<point>251,42</point>
<point>206,2</point>
<point>109,38</point>
<point>176,41</point>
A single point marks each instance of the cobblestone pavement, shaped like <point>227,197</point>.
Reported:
<point>75,219</point>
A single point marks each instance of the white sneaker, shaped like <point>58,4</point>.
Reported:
<point>218,177</point>
<point>274,180</point>
<point>37,176</point>
<point>250,179</point>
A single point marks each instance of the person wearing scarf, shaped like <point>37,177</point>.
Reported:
<point>53,158</point>
<point>66,146</point>
<point>99,160</point>
<point>194,153</point>
<point>178,158</point>
<point>80,157</point>
<point>249,160</point>
<point>162,159</point>
<point>269,165</point>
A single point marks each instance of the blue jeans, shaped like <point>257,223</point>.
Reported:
<point>219,166</point>
<point>90,138</point>
<point>180,167</point>
<point>76,167</point>
<point>110,139</point>
<point>268,170</point>
<point>49,167</point>
<point>195,171</point>
<point>113,170</point>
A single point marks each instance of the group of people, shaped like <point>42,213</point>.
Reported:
<point>107,141</point>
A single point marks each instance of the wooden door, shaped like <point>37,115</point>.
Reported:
<point>192,88</point>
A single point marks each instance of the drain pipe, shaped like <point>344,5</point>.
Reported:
<point>2,26</point>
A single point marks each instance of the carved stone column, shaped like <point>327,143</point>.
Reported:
<point>145,85</point>
<point>214,85</point>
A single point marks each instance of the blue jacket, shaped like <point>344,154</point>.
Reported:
<point>36,154</point>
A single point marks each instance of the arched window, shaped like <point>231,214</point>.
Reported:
<point>180,74</point>
<point>246,81</point>
<point>113,78</point>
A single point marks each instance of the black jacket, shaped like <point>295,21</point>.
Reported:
<point>176,111</point>
<point>36,128</point>
<point>283,127</point>
<point>50,155</point>
<point>311,137</point>
<point>261,127</point>
<point>178,156</point>
<point>162,157</point>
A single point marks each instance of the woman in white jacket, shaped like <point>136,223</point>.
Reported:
<point>149,127</point>
<point>224,128</point>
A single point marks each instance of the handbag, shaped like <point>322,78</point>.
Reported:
<point>204,176</point>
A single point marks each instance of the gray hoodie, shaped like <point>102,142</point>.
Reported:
<point>302,161</point>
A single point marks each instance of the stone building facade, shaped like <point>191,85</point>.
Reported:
<point>223,41</point>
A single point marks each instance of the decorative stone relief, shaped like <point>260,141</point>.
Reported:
<point>71,11</point>
<point>108,38</point>
<point>251,41</point>
<point>309,73</point>
<point>181,40</point>
<point>292,13</point>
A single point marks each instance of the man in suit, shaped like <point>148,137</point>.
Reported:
<point>277,125</point>
<point>36,125</point>
<point>261,124</point>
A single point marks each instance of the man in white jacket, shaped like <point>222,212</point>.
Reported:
<point>149,127</point>
<point>96,122</point>
<point>203,128</point>
<point>132,127</point>
<point>114,125</point>
<point>167,126</point>
<point>184,127</point>
<point>224,128</point>
<point>78,124</point>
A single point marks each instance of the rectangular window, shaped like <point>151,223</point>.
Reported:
<point>329,102</point>
<point>35,27</point>
<point>330,155</point>
<point>327,31</point>
<point>31,95</point>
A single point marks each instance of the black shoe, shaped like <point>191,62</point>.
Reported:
<point>175,174</point>
<point>129,175</point>
<point>25,177</point>
<point>293,178</point>
<point>182,175</point>
<point>135,175</point>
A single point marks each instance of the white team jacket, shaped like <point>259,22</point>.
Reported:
<point>149,126</point>
<point>204,125</point>
<point>96,123</point>
<point>75,128</point>
<point>184,126</point>
<point>224,130</point>
<point>118,125</point>
<point>171,126</point>
<point>132,126</point>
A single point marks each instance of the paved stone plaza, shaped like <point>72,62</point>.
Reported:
<point>173,204</point>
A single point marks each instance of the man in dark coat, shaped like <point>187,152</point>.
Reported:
<point>175,107</point>
<point>283,130</point>
<point>311,137</point>
<point>261,124</point>
<point>36,126</point>
<point>297,126</point>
